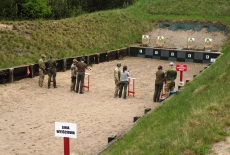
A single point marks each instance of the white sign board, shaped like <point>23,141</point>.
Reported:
<point>212,60</point>
<point>63,129</point>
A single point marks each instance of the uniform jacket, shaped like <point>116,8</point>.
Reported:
<point>170,75</point>
<point>41,64</point>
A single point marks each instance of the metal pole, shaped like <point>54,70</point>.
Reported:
<point>133,86</point>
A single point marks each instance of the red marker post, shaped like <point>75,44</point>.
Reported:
<point>182,68</point>
<point>66,146</point>
<point>66,130</point>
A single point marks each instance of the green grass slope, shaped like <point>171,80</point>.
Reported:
<point>186,124</point>
<point>91,33</point>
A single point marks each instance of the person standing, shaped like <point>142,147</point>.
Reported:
<point>73,75</point>
<point>81,66</point>
<point>42,70</point>
<point>170,77</point>
<point>52,71</point>
<point>159,82</point>
<point>124,82</point>
<point>117,75</point>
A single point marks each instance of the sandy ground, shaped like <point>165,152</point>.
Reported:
<point>28,112</point>
<point>178,39</point>
<point>6,27</point>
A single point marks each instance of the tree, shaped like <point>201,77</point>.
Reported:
<point>35,9</point>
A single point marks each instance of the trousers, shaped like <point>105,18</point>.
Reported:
<point>123,84</point>
<point>168,85</point>
<point>52,73</point>
<point>157,93</point>
<point>80,80</point>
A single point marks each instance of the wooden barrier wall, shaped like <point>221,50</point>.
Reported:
<point>174,54</point>
<point>29,71</point>
<point>17,73</point>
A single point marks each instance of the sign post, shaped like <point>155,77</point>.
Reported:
<point>66,146</point>
<point>181,68</point>
<point>66,130</point>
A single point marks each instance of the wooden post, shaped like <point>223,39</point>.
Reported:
<point>128,51</point>
<point>87,57</point>
<point>98,58</point>
<point>111,137</point>
<point>118,54</point>
<point>147,110</point>
<point>32,71</point>
<point>11,75</point>
<point>64,65</point>
<point>136,118</point>
<point>107,57</point>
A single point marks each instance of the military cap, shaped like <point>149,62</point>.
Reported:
<point>43,56</point>
<point>118,64</point>
<point>74,60</point>
<point>171,63</point>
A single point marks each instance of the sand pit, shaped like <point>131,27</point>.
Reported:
<point>28,112</point>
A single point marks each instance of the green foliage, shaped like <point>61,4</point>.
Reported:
<point>187,7</point>
<point>34,9</point>
<point>58,9</point>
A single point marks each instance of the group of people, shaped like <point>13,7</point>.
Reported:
<point>168,78</point>
<point>120,77</point>
<point>121,80</point>
<point>52,65</point>
<point>77,73</point>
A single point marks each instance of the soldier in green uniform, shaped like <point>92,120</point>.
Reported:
<point>42,70</point>
<point>73,75</point>
<point>117,79</point>
<point>170,76</point>
<point>81,66</point>
<point>159,82</point>
<point>52,65</point>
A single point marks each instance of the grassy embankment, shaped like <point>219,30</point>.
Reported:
<point>187,123</point>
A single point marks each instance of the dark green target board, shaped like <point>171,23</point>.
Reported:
<point>174,54</point>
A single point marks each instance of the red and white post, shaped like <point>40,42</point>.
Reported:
<point>181,68</point>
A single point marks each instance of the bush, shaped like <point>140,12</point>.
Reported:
<point>35,9</point>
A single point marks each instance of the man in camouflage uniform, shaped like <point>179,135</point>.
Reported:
<point>170,76</point>
<point>73,75</point>
<point>42,70</point>
<point>117,79</point>
<point>52,65</point>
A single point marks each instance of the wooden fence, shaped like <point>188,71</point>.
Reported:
<point>29,71</point>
